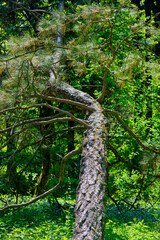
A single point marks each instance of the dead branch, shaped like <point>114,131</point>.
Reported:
<point>120,159</point>
<point>125,126</point>
<point>35,124</point>
<point>62,100</point>
<point>61,177</point>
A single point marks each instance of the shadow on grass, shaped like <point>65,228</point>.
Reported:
<point>35,215</point>
<point>125,215</point>
<point>123,223</point>
<point>42,212</point>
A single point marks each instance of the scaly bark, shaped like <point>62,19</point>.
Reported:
<point>91,191</point>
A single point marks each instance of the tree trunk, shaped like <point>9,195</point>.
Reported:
<point>45,151</point>
<point>46,166</point>
<point>91,191</point>
<point>70,137</point>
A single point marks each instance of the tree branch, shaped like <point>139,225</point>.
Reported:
<point>68,114</point>
<point>120,159</point>
<point>114,51</point>
<point>125,126</point>
<point>62,100</point>
<point>61,177</point>
<point>26,9</point>
<point>34,124</point>
<point>44,120</point>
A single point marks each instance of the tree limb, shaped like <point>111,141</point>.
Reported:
<point>61,177</point>
<point>68,114</point>
<point>125,126</point>
<point>120,159</point>
<point>45,120</point>
<point>34,124</point>
<point>66,101</point>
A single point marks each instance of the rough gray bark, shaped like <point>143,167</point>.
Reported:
<point>91,191</point>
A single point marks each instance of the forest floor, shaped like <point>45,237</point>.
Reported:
<point>46,220</point>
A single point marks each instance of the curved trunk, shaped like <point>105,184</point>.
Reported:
<point>91,191</point>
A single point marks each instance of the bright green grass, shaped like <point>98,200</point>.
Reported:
<point>43,222</point>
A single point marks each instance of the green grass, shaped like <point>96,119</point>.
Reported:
<point>136,224</point>
<point>38,221</point>
<point>42,221</point>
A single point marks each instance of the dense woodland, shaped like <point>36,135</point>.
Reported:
<point>80,115</point>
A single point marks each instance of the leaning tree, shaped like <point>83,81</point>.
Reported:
<point>87,79</point>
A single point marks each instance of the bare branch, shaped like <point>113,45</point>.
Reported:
<point>25,122</point>
<point>20,55</point>
<point>9,109</point>
<point>61,177</point>
<point>45,120</point>
<point>102,95</point>
<point>24,8</point>
<point>20,149</point>
<point>66,101</point>
<point>114,51</point>
<point>33,156</point>
<point>34,124</point>
<point>120,159</point>
<point>38,141</point>
<point>69,129</point>
<point>69,114</point>
<point>42,11</point>
<point>125,126</point>
<point>139,192</point>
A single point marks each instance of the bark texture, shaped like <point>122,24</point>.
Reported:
<point>91,191</point>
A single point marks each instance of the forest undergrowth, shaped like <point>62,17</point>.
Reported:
<point>54,220</point>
